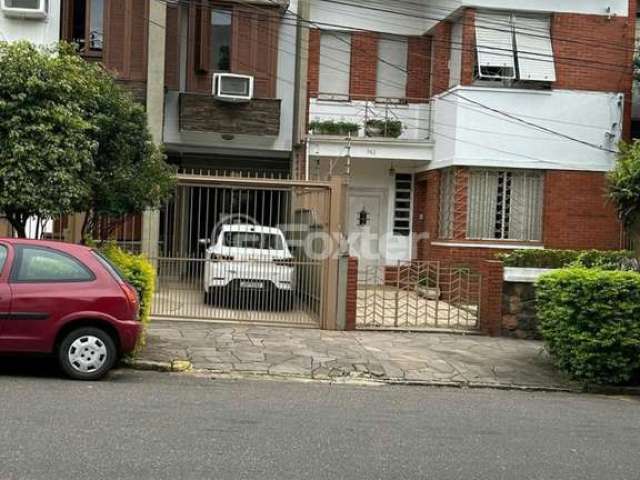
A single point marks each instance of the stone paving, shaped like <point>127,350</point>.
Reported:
<point>429,358</point>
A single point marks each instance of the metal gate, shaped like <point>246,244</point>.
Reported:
<point>417,295</point>
<point>243,249</point>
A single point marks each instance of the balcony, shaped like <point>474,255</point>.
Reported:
<point>203,113</point>
<point>384,128</point>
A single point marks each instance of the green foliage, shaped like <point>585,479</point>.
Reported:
<point>331,127</point>
<point>608,260</point>
<point>140,273</point>
<point>71,140</point>
<point>590,321</point>
<point>387,128</point>
<point>45,146</point>
<point>624,188</point>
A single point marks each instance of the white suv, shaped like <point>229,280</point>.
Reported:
<point>249,257</point>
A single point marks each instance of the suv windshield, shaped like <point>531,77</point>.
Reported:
<point>264,241</point>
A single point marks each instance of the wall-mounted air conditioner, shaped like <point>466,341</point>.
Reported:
<point>25,8</point>
<point>230,87</point>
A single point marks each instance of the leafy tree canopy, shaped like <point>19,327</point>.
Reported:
<point>624,189</point>
<point>71,140</point>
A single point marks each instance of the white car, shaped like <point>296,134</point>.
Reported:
<point>248,257</point>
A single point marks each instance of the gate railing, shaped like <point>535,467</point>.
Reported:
<point>417,295</point>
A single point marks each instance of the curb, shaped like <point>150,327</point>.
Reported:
<point>175,365</point>
<point>185,366</point>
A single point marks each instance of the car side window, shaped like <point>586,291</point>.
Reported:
<point>3,256</point>
<point>45,265</point>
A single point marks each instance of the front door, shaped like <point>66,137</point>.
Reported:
<point>365,229</point>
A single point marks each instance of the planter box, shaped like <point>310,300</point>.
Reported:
<point>524,275</point>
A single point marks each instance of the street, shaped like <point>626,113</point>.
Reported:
<point>157,425</point>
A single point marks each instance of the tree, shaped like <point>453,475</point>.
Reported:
<point>624,189</point>
<point>129,173</point>
<point>45,146</point>
<point>72,141</point>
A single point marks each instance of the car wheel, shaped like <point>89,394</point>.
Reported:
<point>87,353</point>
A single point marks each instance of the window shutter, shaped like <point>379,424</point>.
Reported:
<point>494,44</point>
<point>392,67</point>
<point>535,52</point>
<point>203,33</point>
<point>254,48</point>
<point>335,65</point>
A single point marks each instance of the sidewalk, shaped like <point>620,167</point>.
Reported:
<point>397,357</point>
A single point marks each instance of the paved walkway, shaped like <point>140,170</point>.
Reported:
<point>428,358</point>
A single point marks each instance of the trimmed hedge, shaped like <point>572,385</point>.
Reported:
<point>140,273</point>
<point>608,260</point>
<point>590,321</point>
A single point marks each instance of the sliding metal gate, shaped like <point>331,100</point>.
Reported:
<point>243,249</point>
<point>417,295</point>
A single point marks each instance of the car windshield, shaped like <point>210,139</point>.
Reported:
<point>264,241</point>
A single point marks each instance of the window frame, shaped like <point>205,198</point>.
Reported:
<point>17,263</point>
<point>408,229</point>
<point>68,24</point>
<point>341,37</point>
<point>228,10</point>
<point>397,67</point>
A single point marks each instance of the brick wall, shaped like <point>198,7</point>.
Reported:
<point>577,213</point>
<point>364,64</point>
<point>313,72</point>
<point>468,46</point>
<point>440,58</point>
<point>418,68</point>
<point>492,273</point>
<point>352,293</point>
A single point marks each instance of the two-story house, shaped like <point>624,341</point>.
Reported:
<point>472,126</point>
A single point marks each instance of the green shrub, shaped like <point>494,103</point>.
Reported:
<point>140,273</point>
<point>388,128</point>
<point>331,127</point>
<point>590,321</point>
<point>534,258</point>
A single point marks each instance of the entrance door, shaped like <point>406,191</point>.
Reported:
<point>365,214</point>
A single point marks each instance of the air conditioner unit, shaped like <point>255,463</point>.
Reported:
<point>230,87</point>
<point>25,8</point>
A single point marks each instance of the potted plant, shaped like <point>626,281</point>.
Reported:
<point>384,128</point>
<point>331,127</point>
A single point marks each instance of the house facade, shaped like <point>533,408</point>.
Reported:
<point>509,115</point>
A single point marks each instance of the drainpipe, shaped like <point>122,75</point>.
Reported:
<point>155,110</point>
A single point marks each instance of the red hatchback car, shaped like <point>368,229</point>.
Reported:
<point>67,300</point>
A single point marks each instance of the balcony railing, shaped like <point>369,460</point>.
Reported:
<point>381,118</point>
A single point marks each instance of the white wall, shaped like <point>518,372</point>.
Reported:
<point>469,134</point>
<point>40,31</point>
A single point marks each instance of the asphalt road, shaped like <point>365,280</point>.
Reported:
<point>143,425</point>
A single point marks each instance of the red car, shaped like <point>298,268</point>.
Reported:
<point>67,300</point>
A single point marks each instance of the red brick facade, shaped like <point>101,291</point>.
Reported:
<point>418,69</point>
<point>313,74</point>
<point>440,58</point>
<point>352,294</point>
<point>364,65</point>
<point>576,215</point>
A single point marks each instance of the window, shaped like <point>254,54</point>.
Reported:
<point>84,24</point>
<point>447,199</point>
<point>45,265</point>
<point>221,40</point>
<point>505,205</point>
<point>402,206</point>
<point>335,65</point>
<point>514,47</point>
<point>109,266</point>
<point>23,4</point>
<point>3,256</point>
<point>455,57</point>
<point>392,67</point>
<point>253,240</point>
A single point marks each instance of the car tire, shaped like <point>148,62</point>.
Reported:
<point>87,353</point>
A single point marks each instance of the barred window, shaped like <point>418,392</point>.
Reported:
<point>402,207</point>
<point>447,198</point>
<point>505,205</point>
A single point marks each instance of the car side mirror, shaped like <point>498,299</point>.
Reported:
<point>204,242</point>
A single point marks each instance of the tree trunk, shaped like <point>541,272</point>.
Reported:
<point>19,224</point>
